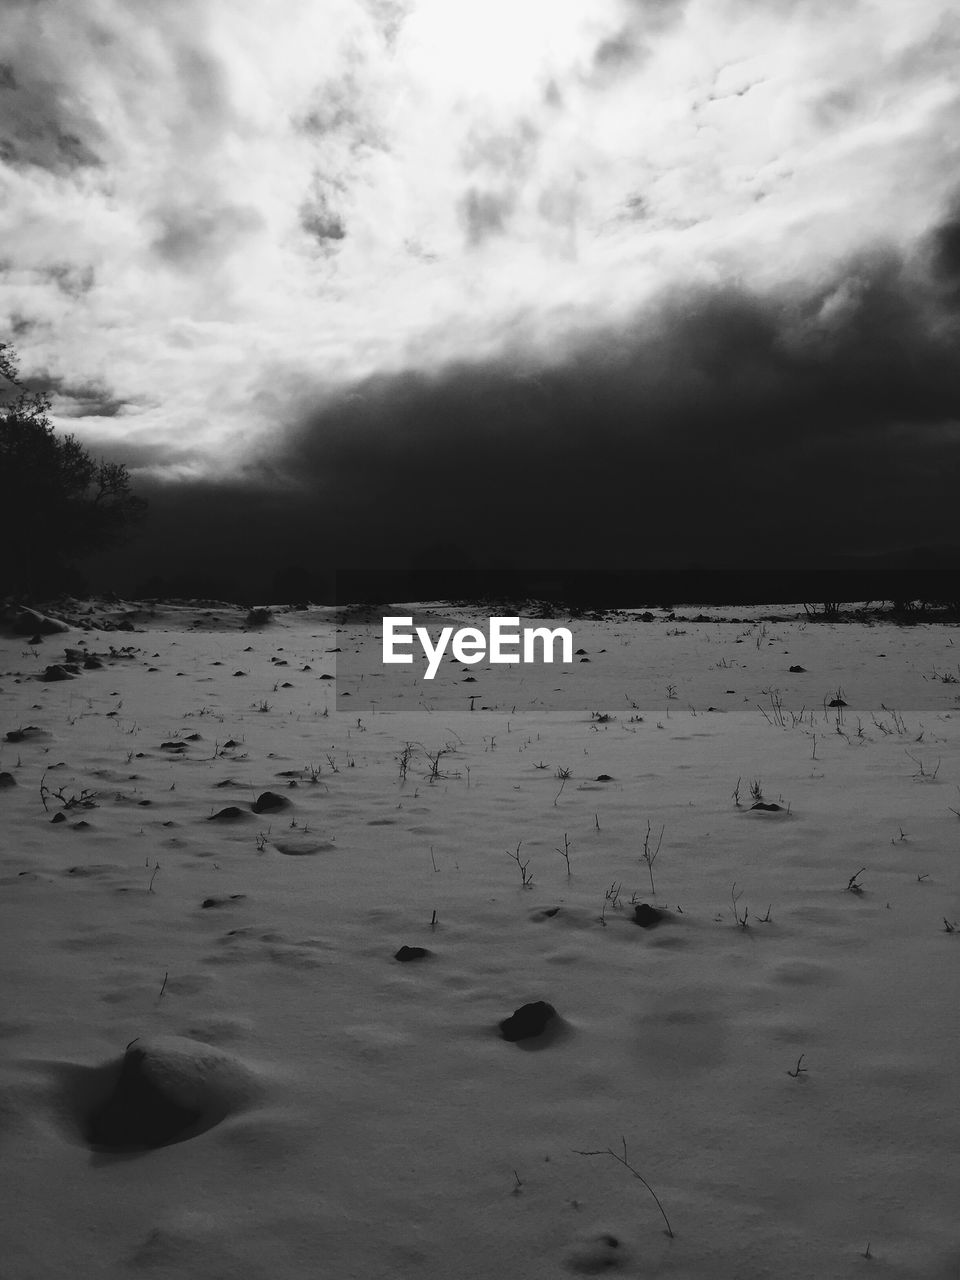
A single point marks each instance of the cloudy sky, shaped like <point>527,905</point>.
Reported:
<point>563,280</point>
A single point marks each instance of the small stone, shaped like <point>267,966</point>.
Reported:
<point>646,916</point>
<point>412,953</point>
<point>527,1022</point>
<point>269,802</point>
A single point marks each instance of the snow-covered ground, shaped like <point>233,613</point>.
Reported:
<point>778,1054</point>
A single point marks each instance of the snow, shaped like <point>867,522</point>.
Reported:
<point>777,1053</point>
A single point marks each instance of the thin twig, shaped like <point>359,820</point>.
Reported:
<point>626,1164</point>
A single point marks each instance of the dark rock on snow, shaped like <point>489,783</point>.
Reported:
<point>269,802</point>
<point>412,953</point>
<point>646,916</point>
<point>528,1021</point>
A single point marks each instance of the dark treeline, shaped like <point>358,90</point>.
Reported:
<point>902,588</point>
<point>660,588</point>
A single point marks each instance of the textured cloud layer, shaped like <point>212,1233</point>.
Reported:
<point>305,245</point>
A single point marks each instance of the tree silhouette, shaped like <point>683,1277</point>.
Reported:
<point>58,503</point>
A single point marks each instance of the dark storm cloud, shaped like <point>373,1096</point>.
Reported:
<point>206,538</point>
<point>945,255</point>
<point>722,428</point>
<point>723,425</point>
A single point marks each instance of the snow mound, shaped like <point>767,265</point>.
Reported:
<point>164,1089</point>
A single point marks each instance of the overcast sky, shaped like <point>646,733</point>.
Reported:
<point>571,277</point>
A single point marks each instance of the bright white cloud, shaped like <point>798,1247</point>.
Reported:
<point>216,209</point>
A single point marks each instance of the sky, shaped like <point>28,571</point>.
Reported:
<point>536,281</point>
